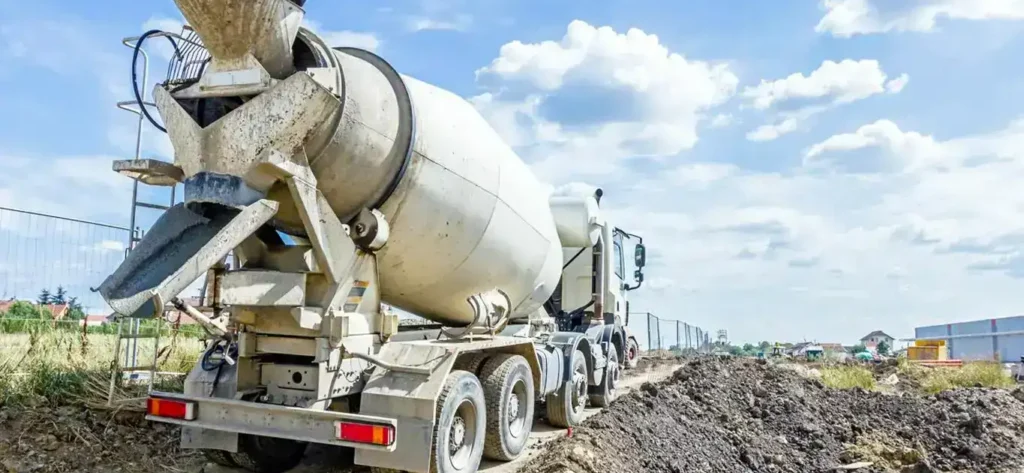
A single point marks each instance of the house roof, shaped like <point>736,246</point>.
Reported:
<point>876,333</point>
<point>57,310</point>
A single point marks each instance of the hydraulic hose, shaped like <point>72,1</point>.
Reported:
<point>135,73</point>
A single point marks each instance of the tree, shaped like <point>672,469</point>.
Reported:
<point>735,351</point>
<point>859,348</point>
<point>61,297</point>
<point>764,345</point>
<point>75,311</point>
<point>883,348</point>
<point>748,348</point>
<point>22,310</point>
<point>45,297</point>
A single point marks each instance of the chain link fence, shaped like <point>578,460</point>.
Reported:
<point>675,335</point>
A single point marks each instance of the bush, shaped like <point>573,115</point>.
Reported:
<point>848,377</point>
<point>971,375</point>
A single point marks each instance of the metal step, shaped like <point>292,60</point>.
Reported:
<point>150,171</point>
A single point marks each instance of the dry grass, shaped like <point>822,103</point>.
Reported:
<point>56,367</point>
<point>971,375</point>
<point>847,377</point>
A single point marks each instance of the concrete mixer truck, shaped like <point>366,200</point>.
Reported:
<point>337,185</point>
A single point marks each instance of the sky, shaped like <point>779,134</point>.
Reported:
<point>801,170</point>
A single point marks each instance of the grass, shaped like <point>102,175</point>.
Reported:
<point>847,377</point>
<point>56,367</point>
<point>971,375</point>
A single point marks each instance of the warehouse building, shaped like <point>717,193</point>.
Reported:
<point>988,339</point>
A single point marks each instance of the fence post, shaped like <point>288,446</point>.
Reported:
<point>650,333</point>
<point>659,332</point>
<point>679,343</point>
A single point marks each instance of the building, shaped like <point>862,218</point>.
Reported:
<point>94,320</point>
<point>986,339</point>
<point>874,338</point>
<point>56,311</point>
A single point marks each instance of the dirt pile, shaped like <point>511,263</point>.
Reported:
<point>73,439</point>
<point>736,415</point>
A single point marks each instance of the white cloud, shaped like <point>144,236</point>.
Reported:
<point>839,82</point>
<point>846,18</point>
<point>702,174</point>
<point>831,85</point>
<point>339,38</point>
<point>722,120</point>
<point>773,130</point>
<point>423,23</point>
<point>651,115</point>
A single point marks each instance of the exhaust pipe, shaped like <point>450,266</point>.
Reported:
<point>233,29</point>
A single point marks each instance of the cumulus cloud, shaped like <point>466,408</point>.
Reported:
<point>840,82</point>
<point>640,108</point>
<point>830,85</point>
<point>338,38</point>
<point>846,18</point>
<point>460,22</point>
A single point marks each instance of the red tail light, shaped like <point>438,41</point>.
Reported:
<point>171,409</point>
<point>383,435</point>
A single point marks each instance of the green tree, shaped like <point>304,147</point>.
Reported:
<point>22,310</point>
<point>883,348</point>
<point>735,351</point>
<point>44,297</point>
<point>859,348</point>
<point>75,311</point>
<point>61,297</point>
<point>764,345</point>
<point>748,348</point>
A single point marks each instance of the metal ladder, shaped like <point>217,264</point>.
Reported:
<point>149,172</point>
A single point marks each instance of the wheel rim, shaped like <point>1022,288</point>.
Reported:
<point>462,435</point>
<point>516,409</point>
<point>613,377</point>
<point>579,386</point>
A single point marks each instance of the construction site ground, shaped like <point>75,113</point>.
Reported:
<point>702,415</point>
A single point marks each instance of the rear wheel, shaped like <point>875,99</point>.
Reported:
<point>508,389</point>
<point>603,394</point>
<point>268,455</point>
<point>632,353</point>
<point>566,405</point>
<point>220,457</point>
<point>471,362</point>
<point>460,425</point>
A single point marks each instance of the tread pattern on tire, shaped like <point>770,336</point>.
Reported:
<point>601,397</point>
<point>493,376</point>
<point>559,413</point>
<point>248,458</point>
<point>631,345</point>
<point>220,457</point>
<point>442,398</point>
<point>471,362</point>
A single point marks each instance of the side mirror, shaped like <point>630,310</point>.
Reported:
<point>640,258</point>
<point>639,276</point>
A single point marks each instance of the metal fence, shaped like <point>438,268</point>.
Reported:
<point>40,252</point>
<point>675,335</point>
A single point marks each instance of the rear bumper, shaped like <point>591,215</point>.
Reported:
<point>293,423</point>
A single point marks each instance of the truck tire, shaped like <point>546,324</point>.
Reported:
<point>508,390</point>
<point>565,406</point>
<point>220,457</point>
<point>461,421</point>
<point>268,455</point>
<point>632,353</point>
<point>603,394</point>
<point>471,362</point>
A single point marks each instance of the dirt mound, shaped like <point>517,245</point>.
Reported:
<point>73,439</point>
<point>649,362</point>
<point>735,415</point>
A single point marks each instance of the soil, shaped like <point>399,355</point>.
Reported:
<point>742,415</point>
<point>73,439</point>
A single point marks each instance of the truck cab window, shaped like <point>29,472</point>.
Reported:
<point>620,267</point>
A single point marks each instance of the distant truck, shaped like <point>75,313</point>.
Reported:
<point>338,184</point>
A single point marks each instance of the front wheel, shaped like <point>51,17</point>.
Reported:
<point>460,425</point>
<point>632,354</point>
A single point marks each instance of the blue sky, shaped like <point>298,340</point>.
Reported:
<point>802,169</point>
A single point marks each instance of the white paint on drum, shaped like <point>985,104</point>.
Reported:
<point>468,216</point>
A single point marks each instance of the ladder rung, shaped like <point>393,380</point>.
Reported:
<point>136,337</point>
<point>152,206</point>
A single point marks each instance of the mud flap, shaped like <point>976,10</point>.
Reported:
<point>180,247</point>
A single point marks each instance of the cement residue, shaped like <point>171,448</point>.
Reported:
<point>737,415</point>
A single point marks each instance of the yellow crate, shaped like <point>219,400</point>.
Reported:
<point>930,343</point>
<point>931,353</point>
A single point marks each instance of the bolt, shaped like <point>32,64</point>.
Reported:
<point>360,228</point>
